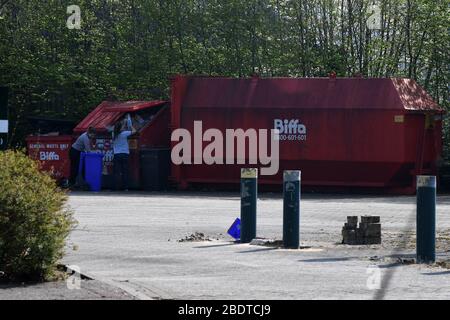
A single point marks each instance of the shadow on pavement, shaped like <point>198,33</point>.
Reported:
<point>437,273</point>
<point>258,250</point>
<point>330,259</point>
<point>217,245</point>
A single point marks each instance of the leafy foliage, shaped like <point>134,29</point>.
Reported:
<point>34,221</point>
<point>129,48</point>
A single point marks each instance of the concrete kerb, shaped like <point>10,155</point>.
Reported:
<point>138,292</point>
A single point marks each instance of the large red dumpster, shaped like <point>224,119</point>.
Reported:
<point>153,133</point>
<point>355,132</point>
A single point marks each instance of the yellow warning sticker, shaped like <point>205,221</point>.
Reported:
<point>399,119</point>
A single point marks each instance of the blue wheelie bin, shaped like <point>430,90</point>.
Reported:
<point>93,166</point>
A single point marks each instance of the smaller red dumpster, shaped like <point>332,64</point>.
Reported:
<point>151,120</point>
<point>52,152</point>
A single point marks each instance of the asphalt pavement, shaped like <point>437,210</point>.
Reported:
<point>131,241</point>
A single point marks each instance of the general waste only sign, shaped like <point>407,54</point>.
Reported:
<point>4,124</point>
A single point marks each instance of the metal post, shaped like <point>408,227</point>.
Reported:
<point>426,219</point>
<point>249,194</point>
<point>291,209</point>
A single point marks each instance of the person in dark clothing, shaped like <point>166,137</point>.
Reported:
<point>121,154</point>
<point>82,144</point>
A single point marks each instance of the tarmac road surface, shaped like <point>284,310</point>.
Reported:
<point>129,240</point>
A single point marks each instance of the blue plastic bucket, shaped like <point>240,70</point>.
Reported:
<point>235,229</point>
<point>93,167</point>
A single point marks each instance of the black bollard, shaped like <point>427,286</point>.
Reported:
<point>426,219</point>
<point>291,209</point>
<point>249,194</point>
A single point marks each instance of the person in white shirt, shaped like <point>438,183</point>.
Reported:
<point>121,149</point>
<point>82,144</point>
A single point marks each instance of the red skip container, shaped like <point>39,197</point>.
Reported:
<point>355,133</point>
<point>52,153</point>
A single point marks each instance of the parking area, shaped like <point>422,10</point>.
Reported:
<point>132,241</point>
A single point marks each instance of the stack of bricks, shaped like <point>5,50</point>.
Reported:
<point>368,232</point>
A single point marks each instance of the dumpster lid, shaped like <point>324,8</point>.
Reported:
<point>108,112</point>
<point>308,93</point>
<point>414,97</point>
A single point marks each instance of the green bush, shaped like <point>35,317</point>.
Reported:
<point>34,219</point>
